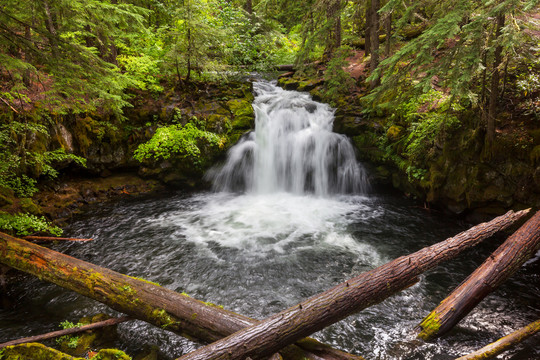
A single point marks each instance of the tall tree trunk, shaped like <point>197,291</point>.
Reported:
<point>333,15</point>
<point>249,7</point>
<point>26,57</point>
<point>52,33</point>
<point>495,79</point>
<point>369,28</point>
<point>388,31</point>
<point>375,25</point>
<point>502,264</point>
<point>189,49</point>
<point>279,330</point>
<point>144,300</point>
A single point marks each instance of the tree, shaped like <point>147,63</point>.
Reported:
<point>460,41</point>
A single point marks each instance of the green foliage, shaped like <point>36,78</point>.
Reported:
<point>177,140</point>
<point>428,119</point>
<point>71,341</point>
<point>26,224</point>
<point>19,167</point>
<point>143,70</point>
<point>337,82</point>
<point>455,50</point>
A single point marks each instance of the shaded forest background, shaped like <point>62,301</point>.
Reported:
<point>443,97</point>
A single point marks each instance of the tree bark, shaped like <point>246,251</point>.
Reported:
<point>503,344</point>
<point>279,330</point>
<point>249,7</point>
<point>52,34</point>
<point>388,30</point>
<point>142,299</point>
<point>500,265</point>
<point>374,37</point>
<point>70,331</point>
<point>333,15</point>
<point>495,79</point>
<point>369,26</point>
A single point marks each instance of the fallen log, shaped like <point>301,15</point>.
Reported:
<point>286,67</point>
<point>52,238</point>
<point>70,331</point>
<point>503,344</point>
<point>284,328</point>
<point>142,299</point>
<point>498,267</point>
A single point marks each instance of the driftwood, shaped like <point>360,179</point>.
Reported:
<point>70,331</point>
<point>503,344</point>
<point>279,330</point>
<point>52,238</point>
<point>142,299</point>
<point>502,264</point>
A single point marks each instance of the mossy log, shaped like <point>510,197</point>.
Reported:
<point>500,265</point>
<point>142,299</point>
<point>505,343</point>
<point>284,328</point>
<point>69,331</point>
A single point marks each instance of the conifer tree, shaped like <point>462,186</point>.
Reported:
<point>463,38</point>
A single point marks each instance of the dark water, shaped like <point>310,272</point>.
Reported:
<point>288,235</point>
<point>258,254</point>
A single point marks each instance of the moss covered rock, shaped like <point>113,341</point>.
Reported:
<point>28,206</point>
<point>7,196</point>
<point>33,351</point>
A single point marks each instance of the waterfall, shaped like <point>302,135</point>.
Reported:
<point>292,149</point>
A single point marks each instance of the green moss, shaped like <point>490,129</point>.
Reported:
<point>212,304</point>
<point>162,318</point>
<point>394,133</point>
<point>7,196</point>
<point>33,351</point>
<point>430,326</point>
<point>240,107</point>
<point>144,280</point>
<point>28,206</point>
<point>218,123</point>
<point>111,354</point>
<point>243,122</point>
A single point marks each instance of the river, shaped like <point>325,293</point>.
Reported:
<point>291,214</point>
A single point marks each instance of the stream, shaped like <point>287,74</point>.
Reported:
<point>290,215</point>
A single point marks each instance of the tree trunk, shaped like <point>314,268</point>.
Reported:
<point>279,330</point>
<point>388,30</point>
<point>502,264</point>
<point>374,37</point>
<point>369,27</point>
<point>142,299</point>
<point>495,79</point>
<point>333,15</point>
<point>503,344</point>
<point>189,48</point>
<point>249,7</point>
<point>52,34</point>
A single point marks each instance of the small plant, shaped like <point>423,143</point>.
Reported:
<point>26,224</point>
<point>177,140</point>
<point>337,82</point>
<point>70,341</point>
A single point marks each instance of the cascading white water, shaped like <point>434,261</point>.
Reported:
<point>292,149</point>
